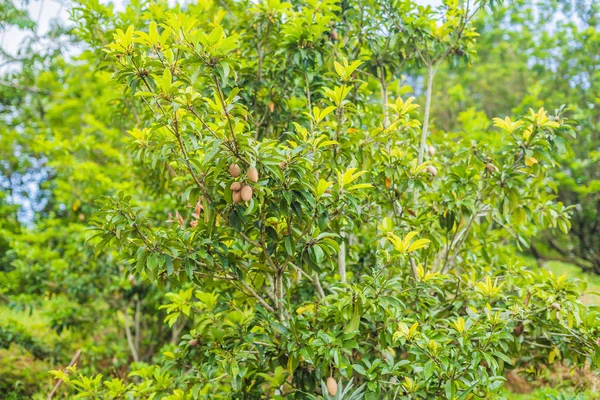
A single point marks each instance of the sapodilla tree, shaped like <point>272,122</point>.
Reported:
<point>434,295</point>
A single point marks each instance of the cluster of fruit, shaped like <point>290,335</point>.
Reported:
<point>239,190</point>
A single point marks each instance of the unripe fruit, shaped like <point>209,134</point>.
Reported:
<point>235,186</point>
<point>332,386</point>
<point>432,170</point>
<point>236,197</point>
<point>193,342</point>
<point>431,151</point>
<point>252,174</point>
<point>246,193</point>
<point>234,170</point>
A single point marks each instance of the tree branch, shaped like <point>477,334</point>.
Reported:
<point>245,285</point>
<point>73,361</point>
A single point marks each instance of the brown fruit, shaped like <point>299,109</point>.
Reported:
<point>271,106</point>
<point>332,386</point>
<point>491,167</point>
<point>236,197</point>
<point>334,35</point>
<point>432,170</point>
<point>234,170</point>
<point>235,186</point>
<point>252,174</point>
<point>431,151</point>
<point>193,342</point>
<point>132,280</point>
<point>518,329</point>
<point>246,193</point>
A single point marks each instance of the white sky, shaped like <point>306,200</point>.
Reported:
<point>45,11</point>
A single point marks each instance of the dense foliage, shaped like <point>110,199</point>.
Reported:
<point>245,200</point>
<point>547,56</point>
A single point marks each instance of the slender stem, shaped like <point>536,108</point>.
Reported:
<point>279,292</point>
<point>73,361</point>
<point>224,105</point>
<point>413,267</point>
<point>186,158</point>
<point>431,70</point>
<point>384,98</point>
<point>139,232</point>
<point>451,260</point>
<point>342,260</point>
<point>261,246</point>
<point>175,130</point>
<point>308,98</point>
<point>317,282</point>
<point>138,321</point>
<point>245,285</point>
<point>271,293</point>
<point>134,352</point>
<point>176,331</point>
<point>251,290</point>
<point>212,132</point>
<point>26,88</point>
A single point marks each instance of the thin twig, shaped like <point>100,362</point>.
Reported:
<point>73,361</point>
<point>245,285</point>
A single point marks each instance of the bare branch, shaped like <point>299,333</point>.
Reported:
<point>73,361</point>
